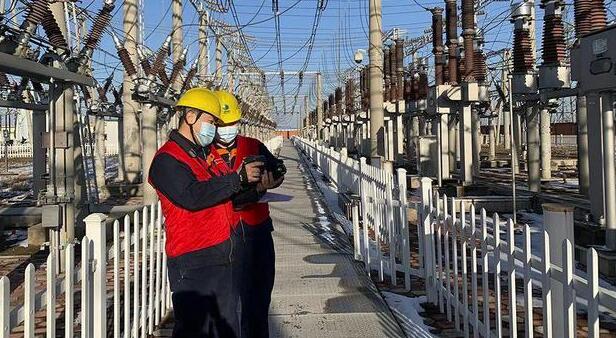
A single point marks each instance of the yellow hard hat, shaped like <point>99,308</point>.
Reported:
<point>230,111</point>
<point>202,99</point>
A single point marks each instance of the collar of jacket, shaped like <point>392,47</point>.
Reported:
<point>189,147</point>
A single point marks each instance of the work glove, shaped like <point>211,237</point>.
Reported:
<point>250,171</point>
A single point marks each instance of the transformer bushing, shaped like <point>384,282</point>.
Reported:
<point>437,42</point>
<point>468,32</point>
<point>393,75</point>
<point>554,73</point>
<point>400,69</point>
<point>524,77</point>
<point>452,40</point>
<point>386,75</point>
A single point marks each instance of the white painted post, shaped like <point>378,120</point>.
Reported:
<point>364,211</point>
<point>356,239</point>
<point>497,271</point>
<point>528,285</point>
<point>474,290</point>
<point>389,221</point>
<point>425,220</point>
<point>447,277</point>
<point>51,296</point>
<point>116,278</point>
<point>29,292</point>
<point>568,290</point>
<point>464,261</point>
<point>159,248</point>
<point>95,231</point>
<point>593,297</point>
<point>86,288</point>
<point>136,284</point>
<point>546,287</point>
<point>151,266</point>
<point>127,275</point>
<point>406,251</point>
<point>144,271</point>
<point>558,223</point>
<point>69,298</point>
<point>454,238</point>
<point>5,307</point>
<point>513,319</point>
<point>484,273</point>
<point>440,220</point>
<point>377,229</point>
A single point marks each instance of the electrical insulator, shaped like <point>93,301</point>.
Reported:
<point>52,30</point>
<point>178,66</point>
<point>192,72</point>
<point>590,15</point>
<point>437,43</point>
<point>523,58</point>
<point>34,14</point>
<point>468,32</point>
<point>125,59</point>
<point>158,66</point>
<point>480,68</point>
<point>100,22</point>
<point>554,47</point>
<point>452,40</point>
<point>144,62</point>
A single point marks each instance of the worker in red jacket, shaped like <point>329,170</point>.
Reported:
<point>256,266</point>
<point>196,188</point>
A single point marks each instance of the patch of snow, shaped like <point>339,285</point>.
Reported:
<point>407,310</point>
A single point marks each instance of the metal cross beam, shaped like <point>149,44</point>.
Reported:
<point>15,65</point>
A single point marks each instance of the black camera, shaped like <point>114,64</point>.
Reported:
<point>279,169</point>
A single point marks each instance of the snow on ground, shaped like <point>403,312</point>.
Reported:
<point>16,237</point>
<point>407,310</point>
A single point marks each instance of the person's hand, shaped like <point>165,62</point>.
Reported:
<point>251,172</point>
<point>268,182</point>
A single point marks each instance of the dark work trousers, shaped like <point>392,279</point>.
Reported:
<point>257,270</point>
<point>205,296</point>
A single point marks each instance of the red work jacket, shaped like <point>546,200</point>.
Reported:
<point>257,213</point>
<point>189,231</point>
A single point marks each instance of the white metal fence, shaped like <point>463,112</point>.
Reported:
<point>25,150</point>
<point>475,268</point>
<point>127,279</point>
<point>383,240</point>
<point>466,252</point>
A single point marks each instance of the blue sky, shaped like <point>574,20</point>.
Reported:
<point>342,30</point>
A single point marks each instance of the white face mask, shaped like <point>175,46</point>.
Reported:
<point>227,134</point>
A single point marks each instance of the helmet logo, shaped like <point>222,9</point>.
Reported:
<point>225,108</point>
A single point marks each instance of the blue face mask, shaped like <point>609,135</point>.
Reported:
<point>206,134</point>
<point>227,134</point>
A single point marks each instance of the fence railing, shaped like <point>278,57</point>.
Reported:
<point>468,252</point>
<point>125,276</point>
<point>25,150</point>
<point>482,272</point>
<point>382,241</point>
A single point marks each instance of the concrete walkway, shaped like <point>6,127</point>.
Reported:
<point>320,290</point>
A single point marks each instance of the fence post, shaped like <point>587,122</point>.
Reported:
<point>558,223</point>
<point>5,307</point>
<point>95,231</point>
<point>406,252</point>
<point>363,191</point>
<point>424,224</point>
